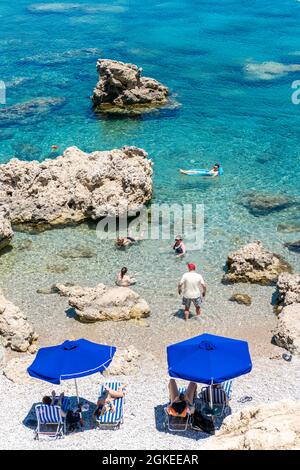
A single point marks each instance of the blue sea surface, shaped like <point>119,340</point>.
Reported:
<point>229,65</point>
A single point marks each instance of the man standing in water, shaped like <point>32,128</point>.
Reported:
<point>193,289</point>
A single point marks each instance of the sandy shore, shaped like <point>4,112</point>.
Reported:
<point>143,427</point>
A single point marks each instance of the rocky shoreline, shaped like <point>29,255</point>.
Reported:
<point>74,187</point>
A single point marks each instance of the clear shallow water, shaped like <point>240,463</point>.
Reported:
<point>200,50</point>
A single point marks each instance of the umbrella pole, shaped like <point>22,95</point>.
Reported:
<point>76,387</point>
<point>78,402</point>
<point>210,394</point>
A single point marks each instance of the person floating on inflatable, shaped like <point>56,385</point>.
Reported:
<point>217,170</point>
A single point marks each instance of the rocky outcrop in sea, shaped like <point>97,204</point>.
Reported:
<point>76,186</point>
<point>102,303</point>
<point>6,232</point>
<point>122,89</point>
<point>15,330</point>
<point>253,263</point>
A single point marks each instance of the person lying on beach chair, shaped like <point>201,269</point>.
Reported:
<point>54,400</point>
<point>106,400</point>
<point>181,406</point>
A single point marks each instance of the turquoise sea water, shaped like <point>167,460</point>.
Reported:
<point>242,117</point>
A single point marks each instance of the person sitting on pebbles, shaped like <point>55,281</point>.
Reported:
<point>123,278</point>
<point>123,242</point>
<point>179,247</point>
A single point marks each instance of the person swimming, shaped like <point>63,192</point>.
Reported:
<point>215,171</point>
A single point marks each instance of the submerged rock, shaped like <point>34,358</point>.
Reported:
<point>76,186</point>
<point>24,245</point>
<point>244,299</point>
<point>6,232</point>
<point>252,263</point>
<point>15,331</point>
<point>103,303</point>
<point>288,289</point>
<point>294,246</point>
<point>57,269</point>
<point>122,89</point>
<point>289,227</point>
<point>287,332</point>
<point>36,108</point>
<point>269,426</point>
<point>77,252</point>
<point>263,204</point>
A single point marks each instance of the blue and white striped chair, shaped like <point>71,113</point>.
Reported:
<point>219,399</point>
<point>109,419</point>
<point>49,416</point>
<point>177,423</point>
<point>227,387</point>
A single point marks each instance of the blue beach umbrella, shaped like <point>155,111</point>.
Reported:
<point>71,360</point>
<point>209,359</point>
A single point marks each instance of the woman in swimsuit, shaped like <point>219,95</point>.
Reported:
<point>179,247</point>
<point>181,404</point>
<point>123,279</point>
<point>105,402</point>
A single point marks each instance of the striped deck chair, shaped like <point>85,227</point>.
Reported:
<point>176,423</point>
<point>227,386</point>
<point>50,421</point>
<point>110,420</point>
<point>219,401</point>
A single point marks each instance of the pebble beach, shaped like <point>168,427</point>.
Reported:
<point>143,427</point>
<point>94,122</point>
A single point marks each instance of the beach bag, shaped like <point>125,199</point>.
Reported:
<point>73,419</point>
<point>202,423</point>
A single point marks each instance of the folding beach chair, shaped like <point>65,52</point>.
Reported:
<point>216,405</point>
<point>177,423</point>
<point>50,421</point>
<point>110,420</point>
<point>227,386</point>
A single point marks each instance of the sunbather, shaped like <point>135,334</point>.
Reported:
<point>106,400</point>
<point>54,401</point>
<point>181,404</point>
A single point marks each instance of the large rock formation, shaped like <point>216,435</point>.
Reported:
<point>15,331</point>
<point>272,426</point>
<point>252,263</point>
<point>121,89</point>
<point>6,232</point>
<point>76,186</point>
<point>101,303</point>
<point>288,289</point>
<point>125,362</point>
<point>15,369</point>
<point>287,332</point>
